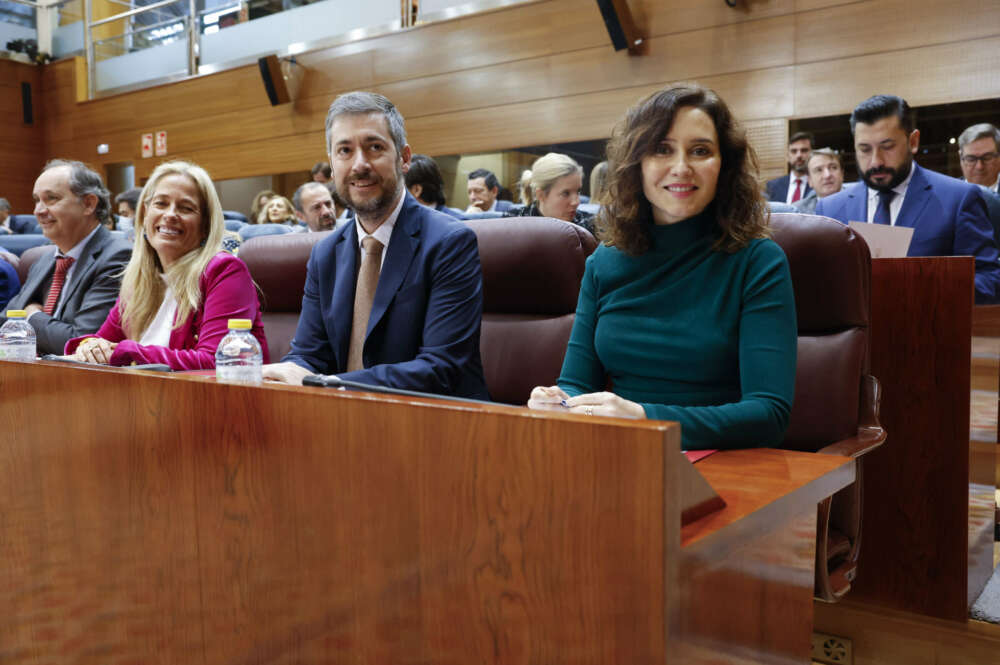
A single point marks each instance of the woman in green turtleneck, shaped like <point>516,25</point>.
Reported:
<point>686,311</point>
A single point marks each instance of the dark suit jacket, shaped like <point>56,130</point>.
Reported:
<point>85,300</point>
<point>993,210</point>
<point>423,332</point>
<point>777,189</point>
<point>948,218</point>
<point>9,283</point>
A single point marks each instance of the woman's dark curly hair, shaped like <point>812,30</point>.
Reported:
<point>626,219</point>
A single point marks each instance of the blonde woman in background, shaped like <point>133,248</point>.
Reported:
<point>179,290</point>
<point>278,210</point>
<point>599,183</point>
<point>556,181</point>
<point>259,203</point>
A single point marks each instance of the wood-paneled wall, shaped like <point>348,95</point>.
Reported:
<point>21,144</point>
<point>546,72</point>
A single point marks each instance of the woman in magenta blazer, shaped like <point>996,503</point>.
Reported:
<point>178,291</point>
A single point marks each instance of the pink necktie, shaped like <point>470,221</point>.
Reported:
<point>364,297</point>
<point>58,279</point>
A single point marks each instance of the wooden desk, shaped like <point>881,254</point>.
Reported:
<point>927,525</point>
<point>170,519</point>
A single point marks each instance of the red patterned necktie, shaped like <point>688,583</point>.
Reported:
<point>797,194</point>
<point>58,279</point>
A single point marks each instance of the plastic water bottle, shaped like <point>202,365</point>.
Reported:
<point>17,337</point>
<point>239,358</point>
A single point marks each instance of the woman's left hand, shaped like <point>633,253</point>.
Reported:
<point>95,350</point>
<point>605,404</point>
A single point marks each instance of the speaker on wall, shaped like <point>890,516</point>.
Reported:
<point>621,28</point>
<point>26,107</point>
<point>282,78</point>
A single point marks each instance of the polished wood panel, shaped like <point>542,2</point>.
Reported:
<point>22,150</point>
<point>922,529</point>
<point>210,523</point>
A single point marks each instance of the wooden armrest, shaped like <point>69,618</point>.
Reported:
<point>870,434</point>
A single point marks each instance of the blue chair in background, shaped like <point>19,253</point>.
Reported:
<point>234,224</point>
<point>482,215</point>
<point>238,216</point>
<point>17,244</point>
<point>254,230</point>
<point>25,224</point>
<point>589,208</point>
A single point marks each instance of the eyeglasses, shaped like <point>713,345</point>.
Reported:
<point>985,159</point>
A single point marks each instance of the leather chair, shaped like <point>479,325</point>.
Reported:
<point>836,401</point>
<point>277,264</point>
<point>18,244</point>
<point>25,224</point>
<point>234,215</point>
<point>29,257</point>
<point>532,268</point>
<point>255,230</point>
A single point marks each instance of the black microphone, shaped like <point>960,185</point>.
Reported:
<point>334,381</point>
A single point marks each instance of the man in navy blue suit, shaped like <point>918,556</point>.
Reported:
<point>948,216</point>
<point>395,298</point>
<point>783,189</point>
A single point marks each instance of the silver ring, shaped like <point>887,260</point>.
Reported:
<point>590,411</point>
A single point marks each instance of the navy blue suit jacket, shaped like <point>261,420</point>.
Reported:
<point>948,218</point>
<point>9,283</point>
<point>777,189</point>
<point>423,332</point>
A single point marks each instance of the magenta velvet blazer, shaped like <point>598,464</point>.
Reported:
<point>227,292</point>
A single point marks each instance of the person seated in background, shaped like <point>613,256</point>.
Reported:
<point>524,188</point>
<point>278,210</point>
<point>793,186</point>
<point>826,177</point>
<point>979,155</point>
<point>395,298</point>
<point>320,172</point>
<point>70,289</point>
<point>259,203</point>
<point>125,205</point>
<point>686,310</point>
<point>599,183</point>
<point>9,283</point>
<point>5,217</point>
<point>179,290</point>
<point>314,206</point>
<point>483,189</point>
<point>424,182</point>
<point>556,181</point>
<point>948,216</point>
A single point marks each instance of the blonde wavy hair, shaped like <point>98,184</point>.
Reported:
<point>550,167</point>
<point>142,286</point>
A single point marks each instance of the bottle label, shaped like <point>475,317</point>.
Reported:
<point>238,374</point>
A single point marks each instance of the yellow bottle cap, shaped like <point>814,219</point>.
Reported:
<point>239,324</point>
<point>16,313</point>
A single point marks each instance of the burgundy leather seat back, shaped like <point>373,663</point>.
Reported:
<point>532,269</point>
<point>29,257</point>
<point>831,275</point>
<point>277,264</point>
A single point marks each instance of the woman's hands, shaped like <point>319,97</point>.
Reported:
<point>95,350</point>
<point>553,398</point>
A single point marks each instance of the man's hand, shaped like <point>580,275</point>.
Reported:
<point>32,308</point>
<point>289,373</point>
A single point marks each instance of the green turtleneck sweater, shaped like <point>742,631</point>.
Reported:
<point>703,337</point>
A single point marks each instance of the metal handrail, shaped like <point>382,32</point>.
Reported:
<point>193,33</point>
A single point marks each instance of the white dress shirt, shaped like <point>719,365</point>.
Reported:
<point>383,232</point>
<point>897,201</point>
